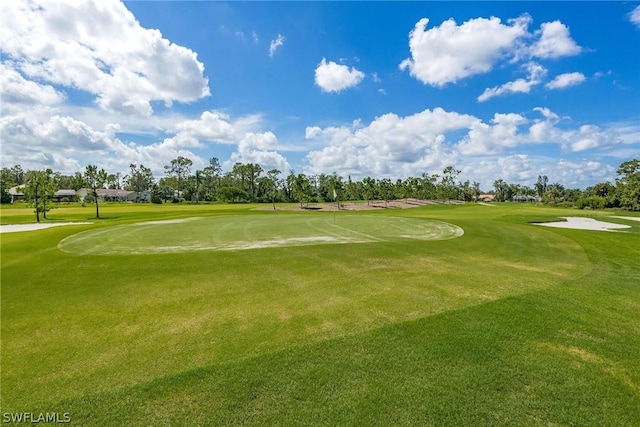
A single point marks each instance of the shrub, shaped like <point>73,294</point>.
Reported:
<point>591,202</point>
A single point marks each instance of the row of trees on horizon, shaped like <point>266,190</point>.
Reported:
<point>249,182</point>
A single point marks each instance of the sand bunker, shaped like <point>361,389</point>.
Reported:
<point>581,223</point>
<point>16,228</point>
<point>166,221</point>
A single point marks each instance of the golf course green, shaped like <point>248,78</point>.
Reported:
<point>198,314</point>
<point>251,232</point>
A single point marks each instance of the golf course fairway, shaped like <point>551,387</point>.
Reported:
<point>206,315</point>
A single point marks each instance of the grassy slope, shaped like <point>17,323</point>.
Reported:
<point>512,324</point>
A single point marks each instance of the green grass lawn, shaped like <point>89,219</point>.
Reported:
<point>352,321</point>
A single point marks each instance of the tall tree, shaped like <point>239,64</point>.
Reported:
<point>302,190</point>
<point>18,175</point>
<point>211,178</point>
<point>502,190</point>
<point>139,179</point>
<point>369,189</point>
<point>39,188</point>
<point>179,168</point>
<point>541,185</point>
<point>114,181</point>
<point>628,185</point>
<point>554,192</point>
<point>273,188</point>
<point>5,183</point>
<point>253,172</point>
<point>386,190</point>
<point>95,178</point>
<point>447,186</point>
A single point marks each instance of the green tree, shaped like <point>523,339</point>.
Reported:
<point>554,192</point>
<point>5,183</point>
<point>302,190</point>
<point>502,190</point>
<point>386,190</point>
<point>628,185</point>
<point>139,178</point>
<point>272,191</point>
<point>211,178</point>
<point>39,189</point>
<point>18,175</point>
<point>232,194</point>
<point>179,168</point>
<point>370,189</point>
<point>95,178</point>
<point>447,186</point>
<point>541,185</point>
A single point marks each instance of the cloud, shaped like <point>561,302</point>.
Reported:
<point>259,148</point>
<point>524,169</point>
<point>332,77</point>
<point>19,93</point>
<point>554,41</point>
<point>211,126</point>
<point>275,44</point>
<point>450,52</point>
<point>565,80</point>
<point>492,138</point>
<point>588,137</point>
<point>100,48</point>
<point>536,73</point>
<point>29,137</point>
<point>634,16</point>
<point>398,147</point>
<point>388,146</point>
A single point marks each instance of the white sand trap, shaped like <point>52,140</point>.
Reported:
<point>486,204</point>
<point>581,223</point>
<point>16,228</point>
<point>166,221</point>
<point>630,218</point>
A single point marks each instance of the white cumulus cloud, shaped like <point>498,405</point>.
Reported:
<point>450,52</point>
<point>536,73</point>
<point>333,77</point>
<point>554,42</point>
<point>99,47</point>
<point>388,146</point>
<point>259,148</point>
<point>565,80</point>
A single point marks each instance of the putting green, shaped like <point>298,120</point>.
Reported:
<point>252,232</point>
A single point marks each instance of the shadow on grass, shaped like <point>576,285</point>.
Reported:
<point>485,365</point>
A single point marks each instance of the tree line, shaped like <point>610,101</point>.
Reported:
<point>249,182</point>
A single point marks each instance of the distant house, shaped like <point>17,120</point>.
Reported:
<point>486,198</point>
<point>526,198</point>
<point>61,195</point>
<point>115,195</point>
<point>16,193</point>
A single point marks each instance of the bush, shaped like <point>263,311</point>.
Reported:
<point>591,202</point>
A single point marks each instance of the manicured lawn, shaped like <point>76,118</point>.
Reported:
<point>507,324</point>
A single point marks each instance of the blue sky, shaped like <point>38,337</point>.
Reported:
<point>507,90</point>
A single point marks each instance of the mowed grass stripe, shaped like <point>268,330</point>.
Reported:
<point>251,232</point>
<point>511,324</point>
